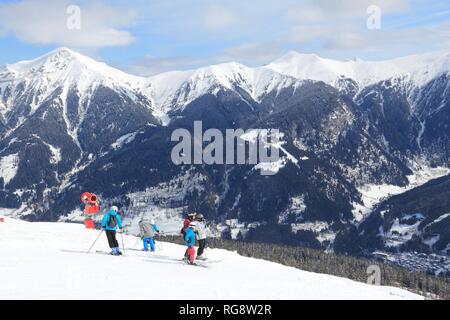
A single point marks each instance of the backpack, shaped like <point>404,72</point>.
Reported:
<point>112,221</point>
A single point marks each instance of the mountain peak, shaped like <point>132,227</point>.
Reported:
<point>64,64</point>
<point>55,59</point>
<point>63,51</point>
<point>291,56</point>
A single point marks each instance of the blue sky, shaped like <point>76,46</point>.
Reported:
<point>150,36</point>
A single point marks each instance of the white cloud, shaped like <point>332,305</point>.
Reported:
<point>45,22</point>
<point>252,53</point>
<point>352,8</point>
<point>346,41</point>
<point>219,17</point>
<point>341,26</point>
<point>150,65</point>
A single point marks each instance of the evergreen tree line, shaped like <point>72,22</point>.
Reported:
<point>318,261</point>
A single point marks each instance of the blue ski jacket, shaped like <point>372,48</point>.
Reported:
<point>106,218</point>
<point>189,237</point>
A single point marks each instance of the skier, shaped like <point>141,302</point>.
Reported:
<point>201,236</point>
<point>187,221</point>
<point>148,231</point>
<point>189,240</point>
<point>111,220</point>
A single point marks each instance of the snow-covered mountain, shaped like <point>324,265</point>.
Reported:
<point>67,68</point>
<point>174,90</point>
<point>419,69</point>
<point>69,124</point>
<point>49,261</point>
<point>70,70</point>
<point>63,70</point>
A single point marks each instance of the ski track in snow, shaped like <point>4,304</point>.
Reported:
<point>47,261</point>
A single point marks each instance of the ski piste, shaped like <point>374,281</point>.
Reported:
<point>59,263</point>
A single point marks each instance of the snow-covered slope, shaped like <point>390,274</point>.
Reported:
<point>418,68</point>
<point>47,260</point>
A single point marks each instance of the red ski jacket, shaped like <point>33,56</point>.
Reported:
<point>186,223</point>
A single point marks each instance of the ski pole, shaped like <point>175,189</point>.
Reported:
<point>159,246</point>
<point>95,241</point>
<point>158,243</point>
<point>123,247</point>
<point>170,232</point>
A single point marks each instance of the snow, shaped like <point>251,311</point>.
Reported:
<point>401,232</point>
<point>123,140</point>
<point>321,230</point>
<point>8,167</point>
<point>373,194</point>
<point>48,261</point>
<point>418,68</point>
<point>317,226</point>
<point>261,136</point>
<point>271,167</point>
<point>56,152</point>
<point>420,134</point>
<point>296,208</point>
<point>442,217</point>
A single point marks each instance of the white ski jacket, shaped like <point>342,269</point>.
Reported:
<point>201,230</point>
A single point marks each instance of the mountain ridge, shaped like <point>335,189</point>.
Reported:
<point>181,87</point>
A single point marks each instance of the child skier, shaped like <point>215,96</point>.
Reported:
<point>189,240</point>
<point>186,222</point>
<point>111,220</point>
<point>201,236</point>
<point>148,231</point>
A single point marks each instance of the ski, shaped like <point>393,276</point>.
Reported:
<point>108,253</point>
<point>196,264</point>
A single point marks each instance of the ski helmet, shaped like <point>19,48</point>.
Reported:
<point>191,216</point>
<point>193,224</point>
<point>152,221</point>
<point>199,217</point>
<point>115,209</point>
